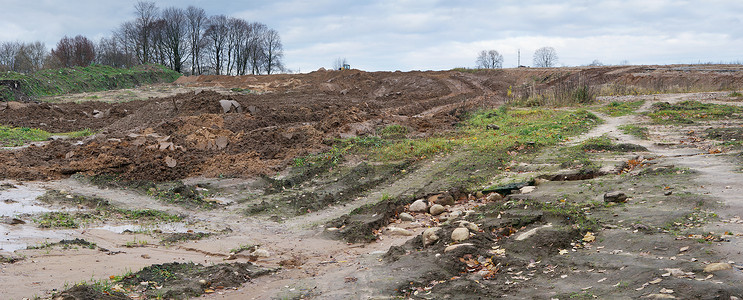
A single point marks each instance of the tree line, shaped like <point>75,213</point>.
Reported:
<point>185,40</point>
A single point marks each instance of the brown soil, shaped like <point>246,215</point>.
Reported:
<point>683,211</point>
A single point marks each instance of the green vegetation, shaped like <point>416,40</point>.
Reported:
<point>19,136</point>
<point>81,79</point>
<point>13,137</point>
<point>616,109</point>
<point>735,94</point>
<point>689,111</point>
<point>393,131</point>
<point>101,210</point>
<point>634,130</point>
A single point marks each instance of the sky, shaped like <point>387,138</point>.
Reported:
<point>390,35</point>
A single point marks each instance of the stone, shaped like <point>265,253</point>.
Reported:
<point>455,214</point>
<point>399,231</point>
<point>527,189</point>
<point>418,206</point>
<point>494,197</point>
<point>469,225</point>
<point>659,296</point>
<point>478,194</point>
<point>538,181</point>
<point>714,267</point>
<point>454,247</point>
<point>430,236</point>
<point>261,253</point>
<point>460,234</point>
<point>667,193</point>
<point>406,217</point>
<point>443,199</point>
<point>492,127</point>
<point>617,197</point>
<point>437,209</point>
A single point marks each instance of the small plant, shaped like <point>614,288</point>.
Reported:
<point>735,94</point>
<point>634,130</point>
<point>393,131</point>
<point>616,109</point>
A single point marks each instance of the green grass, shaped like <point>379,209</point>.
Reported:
<point>634,130</point>
<point>688,112</point>
<point>617,109</point>
<point>19,136</point>
<point>83,79</point>
<point>393,131</point>
<point>13,137</point>
<point>735,94</point>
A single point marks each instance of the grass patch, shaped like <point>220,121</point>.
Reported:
<point>101,209</point>
<point>393,131</point>
<point>80,79</point>
<point>19,136</point>
<point>735,94</point>
<point>636,131</point>
<point>688,112</point>
<point>617,109</point>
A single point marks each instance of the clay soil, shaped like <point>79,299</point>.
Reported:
<point>655,245</point>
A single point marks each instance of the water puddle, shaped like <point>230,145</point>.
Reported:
<point>164,227</point>
<point>21,200</point>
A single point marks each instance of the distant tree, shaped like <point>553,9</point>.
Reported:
<point>22,57</point>
<point>624,63</point>
<point>339,62</point>
<point>196,18</point>
<point>111,52</point>
<point>77,51</point>
<point>595,63</point>
<point>545,57</point>
<point>8,51</point>
<point>274,52</point>
<point>146,13</point>
<point>175,31</point>
<point>490,59</point>
<point>216,34</point>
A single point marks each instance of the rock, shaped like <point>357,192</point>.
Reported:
<point>455,214</point>
<point>230,105</point>
<point>406,217</point>
<point>538,181</point>
<point>430,236</point>
<point>12,221</point>
<point>667,193</point>
<point>399,231</point>
<point>460,234</point>
<point>492,127</point>
<point>469,225</point>
<point>714,267</point>
<point>13,105</point>
<point>261,253</point>
<point>418,206</point>
<point>658,296</point>
<point>527,189</point>
<point>478,194</point>
<point>453,247</point>
<point>618,197</point>
<point>443,217</point>
<point>494,197</point>
<point>447,199</point>
<point>331,229</point>
<point>437,209</point>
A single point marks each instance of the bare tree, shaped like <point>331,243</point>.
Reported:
<point>216,34</point>
<point>196,18</point>
<point>110,52</point>
<point>146,15</point>
<point>256,45</point>
<point>77,51</point>
<point>8,51</point>
<point>22,57</point>
<point>174,36</point>
<point>545,57</point>
<point>595,63</point>
<point>490,59</point>
<point>274,51</point>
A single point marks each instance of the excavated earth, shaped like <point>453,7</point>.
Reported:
<point>549,238</point>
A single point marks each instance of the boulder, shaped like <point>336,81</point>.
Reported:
<point>437,209</point>
<point>430,236</point>
<point>406,217</point>
<point>460,234</point>
<point>494,197</point>
<point>399,231</point>
<point>454,247</point>
<point>618,197</point>
<point>418,206</point>
<point>714,267</point>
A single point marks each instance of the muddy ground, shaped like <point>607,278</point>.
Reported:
<point>354,231</point>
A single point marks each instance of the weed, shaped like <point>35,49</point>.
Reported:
<point>689,111</point>
<point>616,109</point>
<point>634,130</point>
<point>735,94</point>
<point>393,131</point>
<point>13,137</point>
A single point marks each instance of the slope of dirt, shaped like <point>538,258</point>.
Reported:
<point>545,239</point>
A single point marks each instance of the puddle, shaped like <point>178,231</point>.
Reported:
<point>21,200</point>
<point>18,237</point>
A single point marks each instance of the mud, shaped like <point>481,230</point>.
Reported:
<point>552,235</point>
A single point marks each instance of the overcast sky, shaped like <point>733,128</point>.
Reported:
<point>433,35</point>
